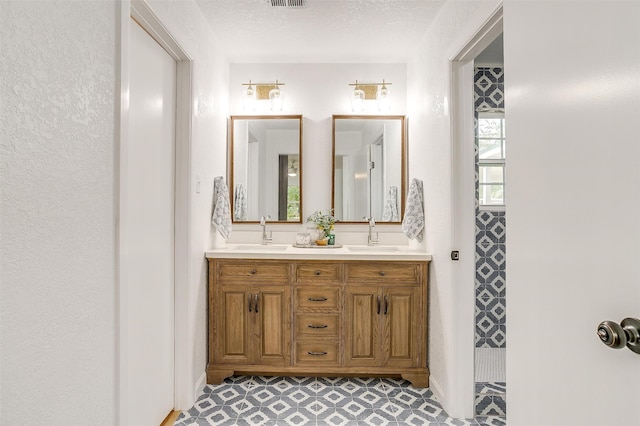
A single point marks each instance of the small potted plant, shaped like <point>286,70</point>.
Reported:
<point>324,223</point>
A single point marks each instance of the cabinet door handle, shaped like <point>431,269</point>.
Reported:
<point>386,305</point>
<point>378,305</point>
<point>317,299</point>
<point>317,353</point>
<point>250,301</point>
<point>317,326</point>
<point>257,303</point>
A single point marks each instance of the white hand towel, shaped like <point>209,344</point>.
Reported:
<point>221,217</point>
<point>413,222</point>
<point>239,203</point>
<point>391,206</point>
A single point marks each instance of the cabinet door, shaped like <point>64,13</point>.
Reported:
<point>272,341</point>
<point>233,325</point>
<point>400,327</point>
<point>362,325</point>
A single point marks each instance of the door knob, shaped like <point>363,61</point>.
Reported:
<point>617,336</point>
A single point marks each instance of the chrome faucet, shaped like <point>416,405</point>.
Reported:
<point>371,240</point>
<point>266,239</point>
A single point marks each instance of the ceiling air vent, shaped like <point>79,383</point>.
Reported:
<point>291,4</point>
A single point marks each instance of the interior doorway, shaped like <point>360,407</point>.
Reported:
<point>476,194</point>
<point>154,373</point>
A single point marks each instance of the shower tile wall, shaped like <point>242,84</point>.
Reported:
<point>490,282</point>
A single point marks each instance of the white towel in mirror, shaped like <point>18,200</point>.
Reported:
<point>390,213</point>
<point>413,222</point>
<point>239,203</point>
<point>221,217</point>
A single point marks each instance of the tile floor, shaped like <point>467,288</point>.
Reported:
<point>302,401</point>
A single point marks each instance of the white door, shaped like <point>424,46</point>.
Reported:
<point>149,208</point>
<point>572,73</point>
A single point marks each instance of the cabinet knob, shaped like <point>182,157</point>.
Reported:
<point>317,272</point>
<point>253,272</point>
<point>382,273</point>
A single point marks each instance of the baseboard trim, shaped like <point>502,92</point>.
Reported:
<point>436,389</point>
<point>200,384</point>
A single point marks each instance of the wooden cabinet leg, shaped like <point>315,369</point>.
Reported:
<point>418,380</point>
<point>215,377</point>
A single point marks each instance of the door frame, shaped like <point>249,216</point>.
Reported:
<point>463,210</point>
<point>141,12</point>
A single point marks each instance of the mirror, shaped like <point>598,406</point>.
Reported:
<point>369,168</point>
<point>265,158</point>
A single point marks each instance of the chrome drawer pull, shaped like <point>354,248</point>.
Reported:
<point>317,353</point>
<point>317,299</point>
<point>317,326</point>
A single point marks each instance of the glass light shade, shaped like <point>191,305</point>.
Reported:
<point>276,98</point>
<point>249,99</point>
<point>357,100</point>
<point>383,98</point>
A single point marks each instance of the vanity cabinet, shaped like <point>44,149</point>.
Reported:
<point>250,306</point>
<point>318,318</point>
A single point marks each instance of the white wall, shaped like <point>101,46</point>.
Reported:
<point>58,228</point>
<point>573,183</point>
<point>428,76</point>
<point>59,68</point>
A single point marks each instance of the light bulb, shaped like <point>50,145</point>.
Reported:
<point>382,97</point>
<point>357,100</point>
<point>249,99</point>
<point>276,98</point>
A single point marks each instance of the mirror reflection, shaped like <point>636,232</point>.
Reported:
<point>368,168</point>
<point>265,168</point>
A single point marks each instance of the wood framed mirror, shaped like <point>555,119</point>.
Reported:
<point>265,168</point>
<point>369,168</point>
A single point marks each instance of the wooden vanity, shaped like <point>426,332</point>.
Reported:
<point>318,317</point>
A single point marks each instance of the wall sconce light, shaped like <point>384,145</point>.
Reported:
<point>263,91</point>
<point>249,98</point>
<point>369,91</point>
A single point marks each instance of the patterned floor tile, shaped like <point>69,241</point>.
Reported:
<point>308,401</point>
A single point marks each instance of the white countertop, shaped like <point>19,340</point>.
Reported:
<point>288,251</point>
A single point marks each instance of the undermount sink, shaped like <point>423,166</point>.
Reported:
<point>259,247</point>
<point>364,249</point>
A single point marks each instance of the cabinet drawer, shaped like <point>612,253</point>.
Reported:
<point>317,352</point>
<point>250,272</point>
<point>384,273</point>
<point>320,299</point>
<point>317,272</point>
<point>317,325</point>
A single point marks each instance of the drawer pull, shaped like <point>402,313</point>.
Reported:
<point>316,353</point>
<point>317,272</point>
<point>382,273</point>
<point>317,299</point>
<point>317,326</point>
<point>253,272</point>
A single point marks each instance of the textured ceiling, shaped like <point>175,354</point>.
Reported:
<point>347,31</point>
